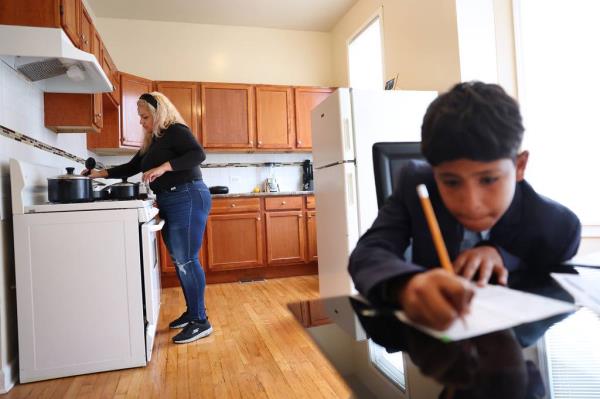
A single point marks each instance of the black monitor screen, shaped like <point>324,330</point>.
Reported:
<point>388,160</point>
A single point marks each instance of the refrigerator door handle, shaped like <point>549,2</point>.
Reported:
<point>346,135</point>
<point>351,195</point>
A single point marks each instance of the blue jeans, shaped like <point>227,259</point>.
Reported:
<point>185,210</point>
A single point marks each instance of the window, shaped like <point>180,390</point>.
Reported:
<point>389,364</point>
<point>559,82</point>
<point>365,62</point>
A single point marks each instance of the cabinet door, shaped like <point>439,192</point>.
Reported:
<point>275,127</point>
<point>132,87</point>
<point>285,237</point>
<point>113,75</point>
<point>234,241</point>
<point>311,236</point>
<point>227,115</point>
<point>87,31</point>
<point>306,99</point>
<point>166,263</point>
<point>84,114</point>
<point>184,96</point>
<point>70,14</point>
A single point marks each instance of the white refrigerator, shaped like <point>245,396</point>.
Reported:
<point>344,128</point>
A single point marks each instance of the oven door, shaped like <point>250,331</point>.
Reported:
<point>151,270</point>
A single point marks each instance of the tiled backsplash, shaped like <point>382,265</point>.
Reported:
<point>242,172</point>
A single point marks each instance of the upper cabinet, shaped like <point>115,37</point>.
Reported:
<point>184,96</point>
<point>65,14</point>
<point>132,87</point>
<point>306,99</point>
<point>275,117</point>
<point>227,116</point>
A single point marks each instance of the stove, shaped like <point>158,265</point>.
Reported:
<point>87,277</point>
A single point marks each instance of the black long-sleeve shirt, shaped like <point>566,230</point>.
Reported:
<point>179,147</point>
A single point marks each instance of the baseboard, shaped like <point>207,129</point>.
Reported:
<point>8,376</point>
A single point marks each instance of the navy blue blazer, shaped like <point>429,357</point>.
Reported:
<point>534,233</point>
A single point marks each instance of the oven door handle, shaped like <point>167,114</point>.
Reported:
<point>157,227</point>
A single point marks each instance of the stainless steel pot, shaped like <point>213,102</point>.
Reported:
<point>70,188</point>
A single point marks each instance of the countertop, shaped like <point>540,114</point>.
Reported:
<point>262,194</point>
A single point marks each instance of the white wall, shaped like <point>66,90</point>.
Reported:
<point>21,110</point>
<point>212,53</point>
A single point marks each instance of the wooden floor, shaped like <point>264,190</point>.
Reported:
<point>257,350</point>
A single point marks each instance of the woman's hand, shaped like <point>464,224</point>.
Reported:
<point>150,175</point>
<point>94,173</point>
<point>482,262</point>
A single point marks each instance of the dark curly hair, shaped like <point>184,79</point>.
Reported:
<point>474,120</point>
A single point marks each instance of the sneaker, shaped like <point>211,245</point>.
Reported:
<point>181,321</point>
<point>194,330</point>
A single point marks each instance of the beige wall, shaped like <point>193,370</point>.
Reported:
<point>421,42</point>
<point>181,51</point>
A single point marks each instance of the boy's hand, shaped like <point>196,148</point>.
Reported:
<point>484,261</point>
<point>435,298</point>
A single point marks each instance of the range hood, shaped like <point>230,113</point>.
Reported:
<point>47,56</point>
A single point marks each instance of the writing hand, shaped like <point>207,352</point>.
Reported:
<point>151,174</point>
<point>483,261</point>
<point>436,298</point>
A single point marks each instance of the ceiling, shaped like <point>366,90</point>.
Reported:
<point>310,15</point>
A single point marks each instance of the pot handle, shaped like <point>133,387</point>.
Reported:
<point>157,227</point>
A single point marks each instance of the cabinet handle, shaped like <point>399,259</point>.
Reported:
<point>258,218</point>
<point>282,202</point>
<point>299,215</point>
<point>98,115</point>
<point>233,205</point>
<point>299,142</point>
<point>251,142</point>
<point>259,142</point>
<point>310,217</point>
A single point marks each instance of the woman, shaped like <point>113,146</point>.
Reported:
<point>169,159</point>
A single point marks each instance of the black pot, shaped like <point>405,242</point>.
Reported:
<point>102,194</point>
<point>219,189</point>
<point>124,190</point>
<point>70,188</point>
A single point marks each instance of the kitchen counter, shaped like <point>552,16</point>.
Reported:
<point>262,194</point>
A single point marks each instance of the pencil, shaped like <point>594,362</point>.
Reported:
<point>434,227</point>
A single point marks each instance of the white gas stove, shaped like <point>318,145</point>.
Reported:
<point>87,277</point>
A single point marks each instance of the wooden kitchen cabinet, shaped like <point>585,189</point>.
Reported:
<point>112,73</point>
<point>311,236</point>
<point>235,241</point>
<point>65,14</point>
<point>275,127</point>
<point>249,238</point>
<point>84,112</point>
<point>285,237</point>
<point>306,98</point>
<point>227,116</point>
<point>87,35</point>
<point>122,132</point>
<point>184,95</point>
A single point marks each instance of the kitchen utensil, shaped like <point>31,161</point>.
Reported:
<point>69,188</point>
<point>218,189</point>
<point>124,190</point>
<point>307,175</point>
<point>90,164</point>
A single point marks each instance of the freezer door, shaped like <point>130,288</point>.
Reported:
<point>337,229</point>
<point>332,130</point>
<point>382,116</point>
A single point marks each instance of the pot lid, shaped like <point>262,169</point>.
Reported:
<point>70,175</point>
<point>124,183</point>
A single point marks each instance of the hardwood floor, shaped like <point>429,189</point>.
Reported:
<point>257,350</point>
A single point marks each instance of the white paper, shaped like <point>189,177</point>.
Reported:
<point>495,308</point>
<point>583,287</point>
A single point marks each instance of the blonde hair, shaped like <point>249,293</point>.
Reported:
<point>164,115</point>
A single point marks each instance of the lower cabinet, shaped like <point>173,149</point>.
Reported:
<point>251,238</point>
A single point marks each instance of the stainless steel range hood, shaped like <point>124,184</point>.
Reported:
<point>47,56</point>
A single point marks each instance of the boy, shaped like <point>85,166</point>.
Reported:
<point>491,219</point>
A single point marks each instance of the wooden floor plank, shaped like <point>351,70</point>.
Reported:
<point>257,350</point>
